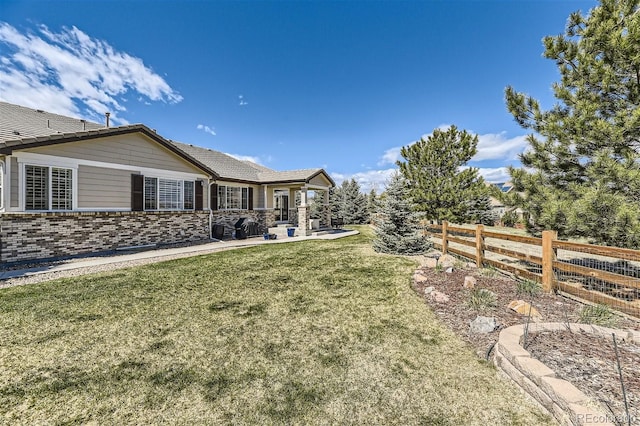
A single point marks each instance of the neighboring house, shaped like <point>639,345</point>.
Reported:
<point>498,208</point>
<point>70,186</point>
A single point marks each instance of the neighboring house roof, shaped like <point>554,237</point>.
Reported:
<point>39,128</point>
<point>233,169</point>
<point>504,186</point>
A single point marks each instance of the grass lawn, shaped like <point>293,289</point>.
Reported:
<point>314,332</point>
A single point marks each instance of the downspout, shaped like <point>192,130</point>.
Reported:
<point>211,214</point>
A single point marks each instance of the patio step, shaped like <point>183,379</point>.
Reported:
<point>281,231</point>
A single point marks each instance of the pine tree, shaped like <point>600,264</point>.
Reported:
<point>372,205</point>
<point>581,173</point>
<point>317,204</point>
<point>397,229</point>
<point>354,207</point>
<point>439,185</point>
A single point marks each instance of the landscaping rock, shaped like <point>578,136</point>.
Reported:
<point>483,325</point>
<point>447,261</point>
<point>522,307</point>
<point>449,270</point>
<point>430,262</point>
<point>469,282</point>
<point>470,265</point>
<point>419,277</point>
<point>428,290</point>
<point>438,296</point>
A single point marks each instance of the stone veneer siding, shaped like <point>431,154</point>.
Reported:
<point>38,236</point>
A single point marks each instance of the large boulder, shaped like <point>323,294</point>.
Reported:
<point>483,325</point>
<point>524,308</point>
<point>446,261</point>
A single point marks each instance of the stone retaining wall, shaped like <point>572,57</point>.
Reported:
<point>564,401</point>
<point>39,236</point>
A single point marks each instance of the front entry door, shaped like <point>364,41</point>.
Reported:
<point>281,204</point>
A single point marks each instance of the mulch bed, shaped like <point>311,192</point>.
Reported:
<point>585,360</point>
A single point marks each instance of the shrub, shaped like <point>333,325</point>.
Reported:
<point>598,315</point>
<point>528,288</point>
<point>480,299</point>
<point>490,272</point>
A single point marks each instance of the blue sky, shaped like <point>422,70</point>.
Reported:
<point>340,85</point>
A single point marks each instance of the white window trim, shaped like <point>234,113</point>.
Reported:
<point>181,183</point>
<point>225,202</point>
<point>3,189</point>
<point>22,182</point>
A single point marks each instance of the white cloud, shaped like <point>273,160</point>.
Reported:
<point>497,174</point>
<point>390,156</point>
<point>491,146</point>
<point>206,129</point>
<point>241,101</point>
<point>70,72</point>
<point>372,179</point>
<point>496,146</point>
<point>245,158</point>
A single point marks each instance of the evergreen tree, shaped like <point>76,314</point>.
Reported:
<point>354,208</point>
<point>581,173</point>
<point>397,230</point>
<point>349,203</point>
<point>439,185</point>
<point>335,202</point>
<point>317,204</point>
<point>372,205</point>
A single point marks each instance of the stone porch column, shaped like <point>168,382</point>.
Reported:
<point>304,214</point>
<point>326,209</point>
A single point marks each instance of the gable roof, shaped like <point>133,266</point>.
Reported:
<point>18,122</point>
<point>246,171</point>
<point>22,128</point>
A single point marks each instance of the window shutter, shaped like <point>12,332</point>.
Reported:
<point>137,193</point>
<point>250,198</point>
<point>213,199</point>
<point>198,194</point>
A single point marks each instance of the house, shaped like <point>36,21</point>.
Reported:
<point>70,186</point>
<point>498,208</point>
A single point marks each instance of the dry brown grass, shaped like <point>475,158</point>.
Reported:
<point>305,333</point>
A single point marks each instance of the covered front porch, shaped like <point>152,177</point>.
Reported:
<point>300,204</point>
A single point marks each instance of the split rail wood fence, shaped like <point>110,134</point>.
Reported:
<point>598,274</point>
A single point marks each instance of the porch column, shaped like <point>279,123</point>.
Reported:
<point>326,209</point>
<point>303,196</point>
<point>303,220</point>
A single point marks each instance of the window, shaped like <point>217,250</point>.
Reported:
<point>48,188</point>
<point>61,189</point>
<point>233,198</point>
<point>168,194</point>
<point>150,193</point>
<point>189,195</point>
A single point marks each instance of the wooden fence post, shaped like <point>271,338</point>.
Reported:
<point>479,245</point>
<point>445,244</point>
<point>548,256</point>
